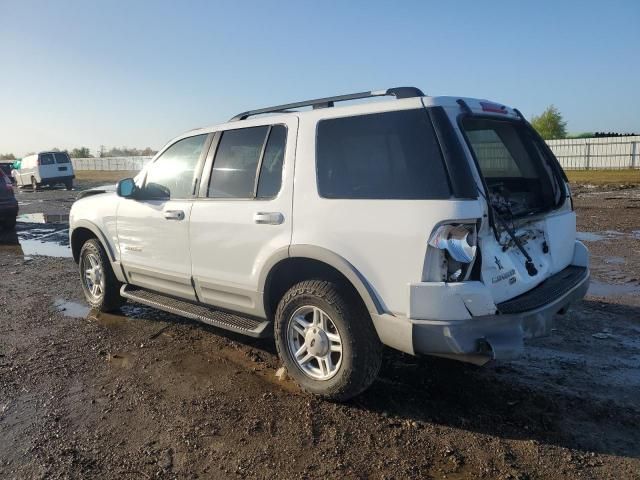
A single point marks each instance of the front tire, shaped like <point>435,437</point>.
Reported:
<point>326,340</point>
<point>100,286</point>
<point>34,184</point>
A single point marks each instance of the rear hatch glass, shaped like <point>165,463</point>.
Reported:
<point>515,166</point>
<point>46,159</point>
<point>61,158</point>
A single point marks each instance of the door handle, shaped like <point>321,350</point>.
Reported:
<point>174,215</point>
<point>268,218</point>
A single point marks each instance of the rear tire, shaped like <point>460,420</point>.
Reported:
<point>34,184</point>
<point>68,184</point>
<point>326,340</point>
<point>100,286</point>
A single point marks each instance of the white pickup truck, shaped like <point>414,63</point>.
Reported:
<point>433,225</point>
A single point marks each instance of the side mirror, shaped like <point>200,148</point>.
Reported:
<point>127,188</point>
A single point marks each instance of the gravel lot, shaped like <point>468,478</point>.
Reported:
<point>149,395</point>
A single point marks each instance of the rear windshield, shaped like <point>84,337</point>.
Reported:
<point>513,164</point>
<point>46,159</point>
<point>61,158</point>
<point>390,155</point>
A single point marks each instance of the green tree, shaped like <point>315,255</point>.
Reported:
<point>82,152</point>
<point>550,124</point>
<point>7,156</point>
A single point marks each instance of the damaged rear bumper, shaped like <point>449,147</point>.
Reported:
<point>501,336</point>
<point>480,337</point>
<point>461,321</point>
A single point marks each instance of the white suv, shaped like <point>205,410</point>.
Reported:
<point>433,225</point>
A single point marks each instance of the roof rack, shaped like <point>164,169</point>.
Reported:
<point>398,92</point>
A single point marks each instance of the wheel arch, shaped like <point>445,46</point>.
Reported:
<point>308,261</point>
<point>82,231</point>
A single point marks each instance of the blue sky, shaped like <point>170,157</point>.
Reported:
<point>137,73</point>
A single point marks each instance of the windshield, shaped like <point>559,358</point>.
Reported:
<point>514,165</point>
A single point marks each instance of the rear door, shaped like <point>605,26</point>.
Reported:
<point>63,165</point>
<point>47,167</point>
<point>153,230</point>
<point>243,214</point>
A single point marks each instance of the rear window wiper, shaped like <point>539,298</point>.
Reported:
<point>531,268</point>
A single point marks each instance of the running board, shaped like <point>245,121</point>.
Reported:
<point>216,318</point>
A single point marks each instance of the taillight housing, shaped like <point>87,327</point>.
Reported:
<point>452,252</point>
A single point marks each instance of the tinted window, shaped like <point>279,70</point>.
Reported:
<point>500,148</point>
<point>271,168</point>
<point>46,159</point>
<point>61,157</point>
<point>391,155</point>
<point>171,175</point>
<point>236,162</point>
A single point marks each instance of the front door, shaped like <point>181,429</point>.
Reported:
<point>153,229</point>
<point>242,217</point>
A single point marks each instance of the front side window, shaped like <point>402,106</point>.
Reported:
<point>390,155</point>
<point>172,174</point>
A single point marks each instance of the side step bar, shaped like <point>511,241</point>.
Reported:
<point>216,318</point>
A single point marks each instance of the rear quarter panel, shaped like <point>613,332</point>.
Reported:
<point>384,240</point>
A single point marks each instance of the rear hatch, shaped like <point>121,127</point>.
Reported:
<point>531,233</point>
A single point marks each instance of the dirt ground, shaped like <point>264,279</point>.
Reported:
<point>149,395</point>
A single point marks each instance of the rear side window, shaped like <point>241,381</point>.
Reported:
<point>391,155</point>
<point>270,178</point>
<point>61,157</point>
<point>236,163</point>
<point>46,159</point>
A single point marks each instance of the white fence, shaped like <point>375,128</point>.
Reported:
<point>110,163</point>
<point>573,154</point>
<point>597,153</point>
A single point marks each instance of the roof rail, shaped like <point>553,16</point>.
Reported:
<point>398,92</point>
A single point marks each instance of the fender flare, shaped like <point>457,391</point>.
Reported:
<point>364,289</point>
<point>98,233</point>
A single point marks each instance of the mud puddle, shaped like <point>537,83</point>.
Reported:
<point>613,260</point>
<point>47,218</point>
<point>238,356</point>
<point>602,289</point>
<point>71,309</point>
<point>44,234</point>
<point>598,236</point>
<point>122,360</point>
